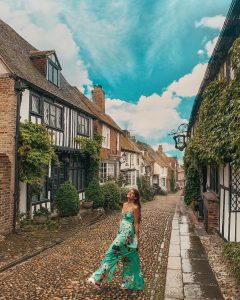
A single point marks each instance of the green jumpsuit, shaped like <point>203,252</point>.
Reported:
<point>123,248</point>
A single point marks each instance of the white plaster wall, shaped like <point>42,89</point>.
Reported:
<point>24,110</point>
<point>23,197</point>
<point>3,68</point>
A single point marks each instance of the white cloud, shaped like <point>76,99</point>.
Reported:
<point>200,52</point>
<point>48,33</point>
<point>154,116</point>
<point>215,22</point>
<point>166,147</point>
<point>210,45</point>
<point>188,85</point>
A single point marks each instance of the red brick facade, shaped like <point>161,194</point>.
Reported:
<point>8,104</point>
<point>105,153</point>
<point>40,63</point>
<point>211,211</point>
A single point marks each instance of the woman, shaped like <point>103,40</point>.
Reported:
<point>125,247</point>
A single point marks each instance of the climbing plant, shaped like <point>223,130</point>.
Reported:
<point>35,151</point>
<point>217,136</point>
<point>90,148</point>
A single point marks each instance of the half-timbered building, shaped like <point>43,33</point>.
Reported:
<point>33,88</point>
<point>220,183</point>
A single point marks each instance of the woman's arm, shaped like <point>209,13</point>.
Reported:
<point>136,213</point>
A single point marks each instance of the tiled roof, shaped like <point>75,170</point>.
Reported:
<point>96,111</point>
<point>128,144</point>
<point>15,53</point>
<point>152,154</point>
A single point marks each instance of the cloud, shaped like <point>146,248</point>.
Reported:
<point>166,147</point>
<point>188,85</point>
<point>153,117</point>
<point>215,22</point>
<point>39,23</point>
<point>210,45</point>
<point>200,52</point>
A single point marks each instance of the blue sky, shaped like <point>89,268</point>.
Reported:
<point>149,55</point>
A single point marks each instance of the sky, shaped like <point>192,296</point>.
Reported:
<point>149,55</point>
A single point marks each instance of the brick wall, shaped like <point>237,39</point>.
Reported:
<point>6,203</point>
<point>8,104</point>
<point>105,153</point>
<point>211,211</point>
<point>40,63</point>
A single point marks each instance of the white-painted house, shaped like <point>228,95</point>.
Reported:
<point>132,162</point>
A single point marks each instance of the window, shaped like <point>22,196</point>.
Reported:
<point>35,104</point>
<point>107,171</point>
<point>106,137</point>
<point>83,125</point>
<point>103,172</point>
<point>53,115</point>
<point>138,161</point>
<point>235,190</point>
<point>53,71</point>
<point>76,174</point>
<point>214,179</point>
<point>130,178</point>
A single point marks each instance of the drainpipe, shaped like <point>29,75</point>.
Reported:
<point>19,88</point>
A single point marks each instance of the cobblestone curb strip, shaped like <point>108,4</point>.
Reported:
<point>189,275</point>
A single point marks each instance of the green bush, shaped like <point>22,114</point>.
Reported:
<point>144,188</point>
<point>157,191</point>
<point>94,193</point>
<point>124,192</point>
<point>112,195</point>
<point>192,188</point>
<point>232,253</point>
<point>67,200</point>
<point>51,225</point>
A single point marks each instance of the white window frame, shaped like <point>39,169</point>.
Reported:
<point>106,137</point>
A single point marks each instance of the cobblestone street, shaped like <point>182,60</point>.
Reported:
<point>60,272</point>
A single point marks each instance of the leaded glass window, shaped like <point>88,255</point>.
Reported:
<point>235,190</point>
<point>53,115</point>
<point>36,108</point>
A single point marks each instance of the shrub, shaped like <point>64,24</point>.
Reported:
<point>112,195</point>
<point>144,188</point>
<point>94,193</point>
<point>67,200</point>
<point>192,188</point>
<point>124,192</point>
<point>50,225</point>
<point>232,253</point>
<point>156,190</point>
<point>42,211</point>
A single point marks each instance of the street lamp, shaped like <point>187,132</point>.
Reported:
<point>180,136</point>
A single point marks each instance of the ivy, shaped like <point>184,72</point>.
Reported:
<point>90,149</point>
<point>35,152</point>
<point>217,136</point>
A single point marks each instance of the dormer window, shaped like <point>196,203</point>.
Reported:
<point>53,73</point>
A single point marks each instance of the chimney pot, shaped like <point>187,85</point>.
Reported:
<point>98,97</point>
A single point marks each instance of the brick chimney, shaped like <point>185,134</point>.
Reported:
<point>160,148</point>
<point>98,97</point>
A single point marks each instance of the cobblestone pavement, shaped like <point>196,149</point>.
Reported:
<point>60,272</point>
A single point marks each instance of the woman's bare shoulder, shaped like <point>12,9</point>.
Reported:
<point>135,207</point>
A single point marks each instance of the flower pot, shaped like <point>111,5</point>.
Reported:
<point>41,219</point>
<point>87,204</point>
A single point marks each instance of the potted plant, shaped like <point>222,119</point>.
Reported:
<point>93,194</point>
<point>40,216</point>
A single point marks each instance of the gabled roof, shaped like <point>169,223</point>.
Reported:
<point>15,52</point>
<point>128,144</point>
<point>152,154</point>
<point>105,118</point>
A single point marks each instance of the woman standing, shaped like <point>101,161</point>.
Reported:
<point>125,247</point>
